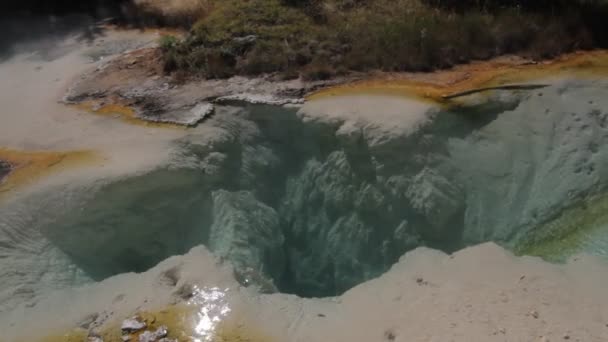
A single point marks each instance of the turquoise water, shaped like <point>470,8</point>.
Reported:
<point>296,206</point>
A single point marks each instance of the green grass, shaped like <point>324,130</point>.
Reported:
<point>319,38</point>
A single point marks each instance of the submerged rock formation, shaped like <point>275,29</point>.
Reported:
<point>247,232</point>
<point>317,200</point>
<point>314,201</point>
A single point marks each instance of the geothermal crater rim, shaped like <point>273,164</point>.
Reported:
<point>313,205</point>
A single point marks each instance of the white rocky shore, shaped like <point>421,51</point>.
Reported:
<point>482,293</point>
<point>127,80</point>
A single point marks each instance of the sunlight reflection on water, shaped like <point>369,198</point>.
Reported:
<point>213,307</point>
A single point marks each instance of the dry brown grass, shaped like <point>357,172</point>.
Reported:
<point>357,35</point>
<point>174,12</point>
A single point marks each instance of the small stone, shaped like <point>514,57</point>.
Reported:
<point>132,324</point>
<point>95,332</point>
<point>94,339</point>
<point>421,281</point>
<point>566,337</point>
<point>149,336</point>
<point>389,335</point>
<point>534,314</point>
<point>126,338</point>
<point>87,321</point>
<point>250,39</point>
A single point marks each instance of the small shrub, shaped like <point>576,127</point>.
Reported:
<point>176,13</point>
<point>167,43</point>
<point>391,35</point>
<point>317,71</point>
<point>266,57</point>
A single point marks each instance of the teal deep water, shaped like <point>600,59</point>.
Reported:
<point>298,206</point>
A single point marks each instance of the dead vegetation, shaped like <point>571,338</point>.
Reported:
<point>318,39</point>
<point>175,13</point>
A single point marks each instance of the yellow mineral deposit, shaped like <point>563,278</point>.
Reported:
<point>29,165</point>
<point>123,112</point>
<point>181,321</point>
<point>435,87</point>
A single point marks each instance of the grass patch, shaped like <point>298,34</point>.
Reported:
<point>319,38</point>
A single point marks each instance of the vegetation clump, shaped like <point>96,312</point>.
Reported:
<point>317,39</point>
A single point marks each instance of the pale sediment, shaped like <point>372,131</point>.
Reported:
<point>481,293</point>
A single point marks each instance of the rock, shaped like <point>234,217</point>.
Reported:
<point>435,198</point>
<point>246,39</point>
<point>153,336</point>
<point>132,324</point>
<point>239,45</point>
<point>86,322</point>
<point>5,169</point>
<point>389,335</point>
<point>94,336</point>
<point>119,81</point>
<point>242,220</point>
<point>214,165</point>
<point>186,116</point>
<point>259,99</point>
<point>250,277</point>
